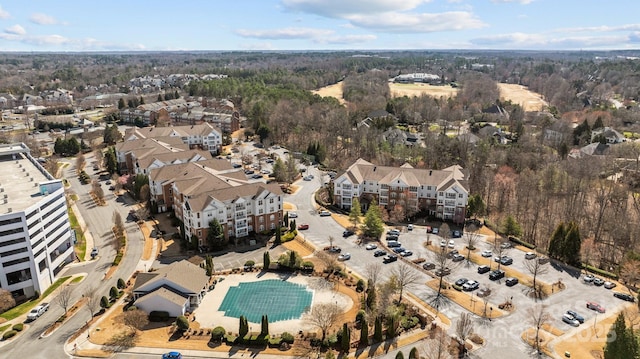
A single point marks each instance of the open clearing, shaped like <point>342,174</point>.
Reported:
<point>519,94</point>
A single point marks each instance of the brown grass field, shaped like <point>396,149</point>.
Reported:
<point>519,94</point>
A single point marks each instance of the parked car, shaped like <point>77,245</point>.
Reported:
<point>392,237</point>
<point>307,178</point>
<point>483,269</point>
<point>379,253</point>
<point>609,285</point>
<point>410,227</point>
<point>344,256</point>
<point>293,215</point>
<point>459,283</point>
<point>452,253</point>
<point>390,258</point>
<point>371,246</point>
<point>451,244</point>
<point>496,274</point>
<point>470,286</point>
<point>595,306</point>
<point>37,311</point>
<point>303,226</point>
<point>428,266</point>
<point>444,272</point>
<point>398,250</point>
<point>406,253</point>
<point>394,232</point>
<point>457,258</point>
<point>249,172</point>
<point>347,233</point>
<point>443,243</point>
<point>570,320</point>
<point>511,281</point>
<point>486,253</point>
<point>325,213</point>
<point>257,176</point>
<point>624,296</point>
<point>94,252</point>
<point>529,255</point>
<point>576,316</point>
<point>506,245</point>
<point>598,281</point>
<point>394,244</point>
<point>172,355</point>
<point>435,230</point>
<point>505,261</point>
<point>543,260</point>
<point>334,249</point>
<point>588,278</point>
<point>456,234</point>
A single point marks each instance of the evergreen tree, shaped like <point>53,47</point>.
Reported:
<point>572,244</point>
<point>215,235</point>
<point>176,95</point>
<point>292,259</point>
<point>111,163</point>
<point>278,239</point>
<point>263,131</point>
<point>131,104</point>
<point>292,225</point>
<point>373,225</point>
<point>371,295</point>
<point>511,227</point>
<point>413,354</point>
<point>121,104</point>
<point>160,99</point>
<point>364,332</point>
<point>264,330</point>
<point>243,327</point>
<point>355,213</point>
<point>377,330</point>
<point>346,338</point>
<point>392,327</point>
<point>624,343</point>
<point>598,123</point>
<point>266,260</point>
<point>399,355</point>
<point>475,206</point>
<point>285,220</point>
<point>556,242</point>
<point>208,266</point>
<point>141,100</point>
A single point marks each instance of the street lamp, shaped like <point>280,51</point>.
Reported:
<point>490,312</point>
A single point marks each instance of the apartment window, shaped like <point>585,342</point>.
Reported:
<point>12,241</point>
<point>199,233</point>
<point>460,195</point>
<point>15,261</point>
<point>10,221</point>
<point>261,219</point>
<point>440,194</point>
<point>15,251</point>
<point>198,215</point>
<point>42,265</point>
<point>271,200</point>
<point>11,231</point>
<point>272,217</point>
<point>260,203</point>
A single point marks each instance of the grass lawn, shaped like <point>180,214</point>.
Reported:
<point>81,246</point>
<point>25,307</point>
<point>5,327</point>
<point>77,279</point>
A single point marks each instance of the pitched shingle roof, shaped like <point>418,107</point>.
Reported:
<point>182,273</point>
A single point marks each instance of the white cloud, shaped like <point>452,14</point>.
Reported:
<point>285,33</point>
<point>16,30</point>
<point>523,2</point>
<point>342,8</point>
<point>425,22</point>
<point>604,28</point>
<point>4,14</point>
<point>345,39</point>
<point>43,19</point>
<point>552,41</point>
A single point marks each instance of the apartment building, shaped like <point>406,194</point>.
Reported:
<point>200,191</point>
<point>204,136</point>
<point>442,193</point>
<point>36,240</point>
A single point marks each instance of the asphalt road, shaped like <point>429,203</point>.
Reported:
<point>99,221</point>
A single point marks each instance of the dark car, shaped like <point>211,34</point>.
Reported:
<point>496,274</point>
<point>392,237</point>
<point>172,355</point>
<point>576,316</point>
<point>456,234</point>
<point>399,249</point>
<point>428,266</point>
<point>511,281</point>
<point>457,258</point>
<point>394,244</point>
<point>441,273</point>
<point>624,296</point>
<point>379,253</point>
<point>459,283</point>
<point>334,249</point>
<point>249,172</point>
<point>505,261</point>
<point>390,258</point>
<point>94,252</point>
<point>347,233</point>
<point>483,269</point>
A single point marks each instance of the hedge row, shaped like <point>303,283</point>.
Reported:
<point>289,236</point>
<point>9,334</point>
<point>521,242</point>
<point>18,327</point>
<point>599,271</point>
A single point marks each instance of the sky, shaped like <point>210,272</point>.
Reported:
<point>299,25</point>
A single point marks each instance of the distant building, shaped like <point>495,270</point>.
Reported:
<point>36,240</point>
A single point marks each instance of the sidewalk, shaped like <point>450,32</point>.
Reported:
<point>87,234</point>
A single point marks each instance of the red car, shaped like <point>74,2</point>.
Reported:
<point>595,306</point>
<point>303,226</point>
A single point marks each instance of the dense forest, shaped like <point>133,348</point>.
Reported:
<point>527,178</point>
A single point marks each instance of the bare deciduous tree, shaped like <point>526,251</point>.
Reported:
<point>500,250</point>
<point>64,298</point>
<point>135,319</point>
<point>445,231</point>
<point>443,268</point>
<point>99,155</point>
<point>329,260</point>
<point>464,329</point>
<point>6,300</point>
<point>142,213</point>
<point>405,277</point>
<point>372,271</point>
<point>81,161</point>
<point>471,238</point>
<point>535,268</point>
<point>93,300</point>
<point>438,347</point>
<point>52,165</point>
<point>538,317</point>
<point>323,316</point>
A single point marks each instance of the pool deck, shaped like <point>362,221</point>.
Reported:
<point>209,316</point>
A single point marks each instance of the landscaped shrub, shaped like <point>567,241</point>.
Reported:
<point>117,259</point>
<point>360,316</point>
<point>360,286</point>
<point>18,327</point>
<point>113,293</point>
<point>182,323</point>
<point>104,302</point>
<point>601,272</point>
<point>158,316</point>
<point>9,334</point>
<point>289,236</point>
<point>121,283</point>
<point>133,307</point>
<point>287,337</point>
<point>408,323</point>
<point>217,333</point>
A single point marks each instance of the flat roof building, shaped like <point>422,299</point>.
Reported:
<point>35,234</point>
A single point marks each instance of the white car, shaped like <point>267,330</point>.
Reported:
<point>451,244</point>
<point>36,312</point>
<point>487,253</point>
<point>344,256</point>
<point>325,213</point>
<point>410,227</point>
<point>293,215</point>
<point>371,246</point>
<point>609,285</point>
<point>529,255</point>
<point>443,243</point>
